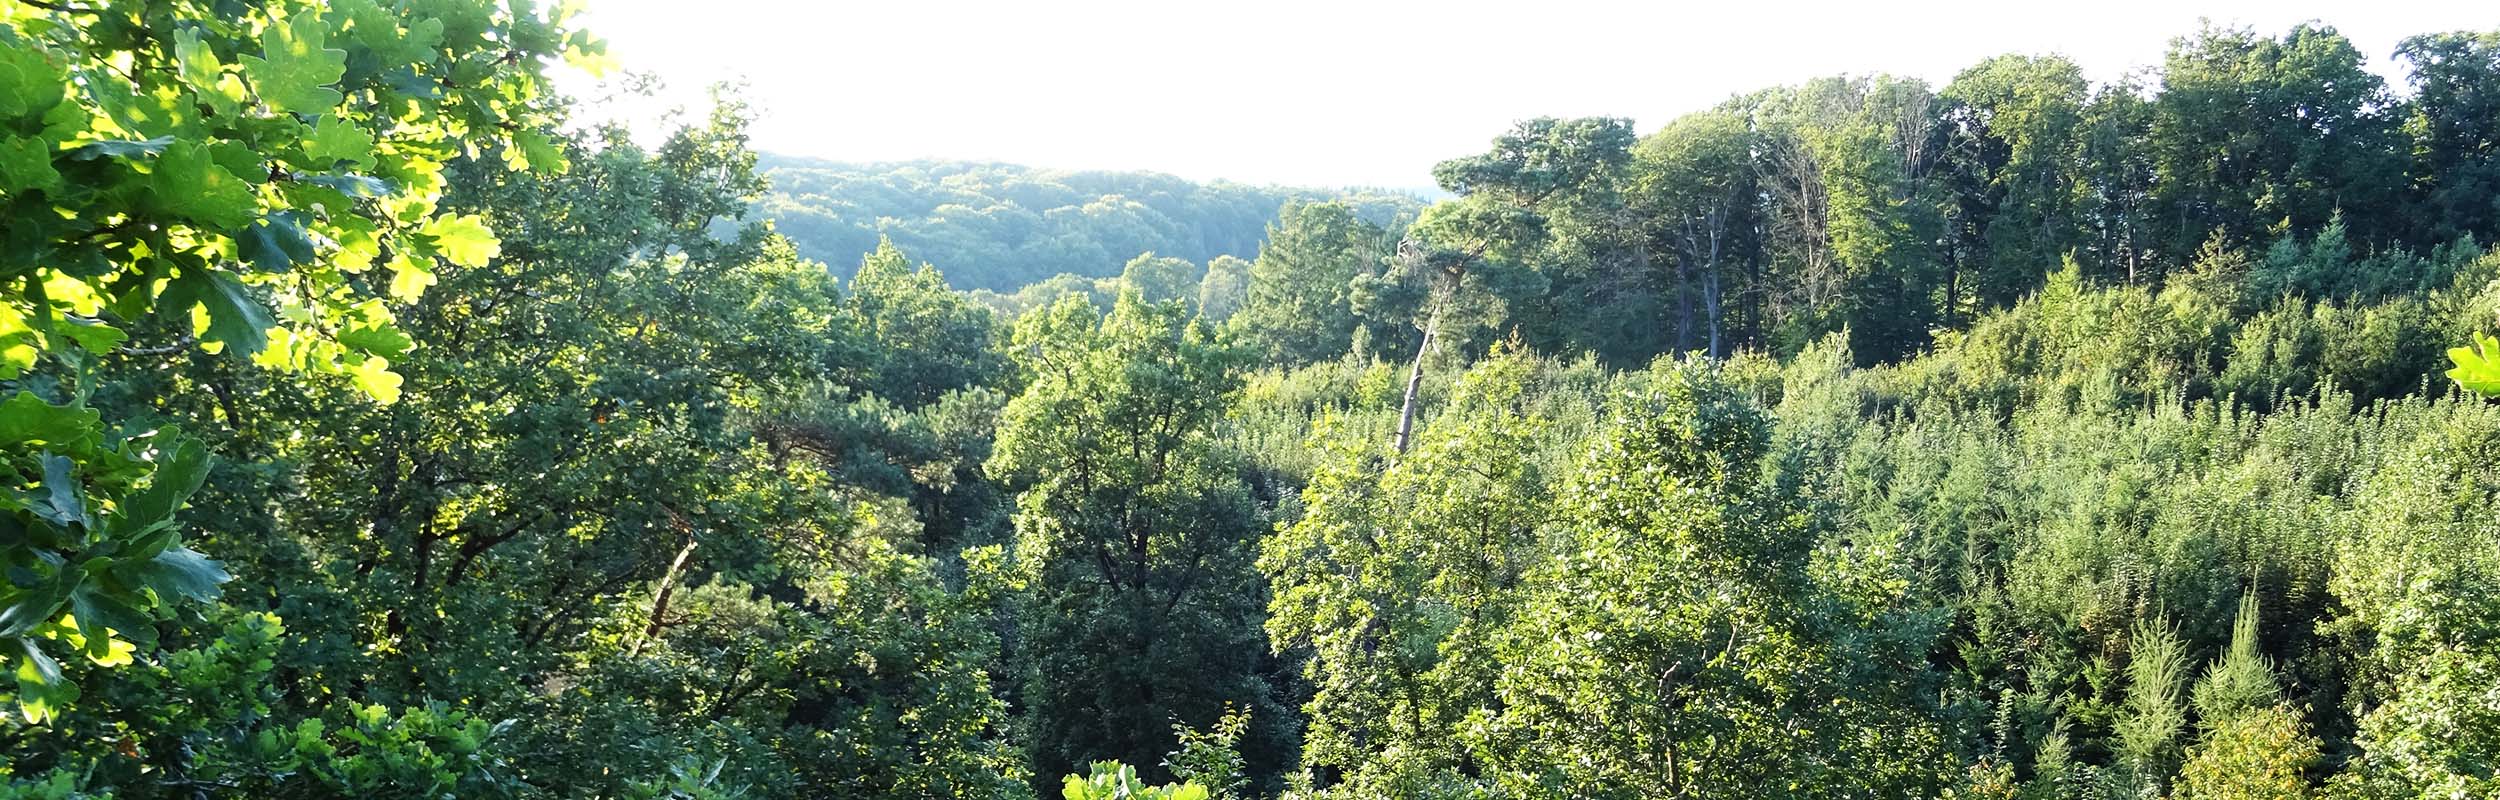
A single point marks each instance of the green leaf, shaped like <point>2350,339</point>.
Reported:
<point>26,419</point>
<point>350,185</point>
<point>40,690</point>
<point>374,376</point>
<point>294,70</point>
<point>241,160</point>
<point>18,342</point>
<point>97,612</point>
<point>40,605</point>
<point>2477,372</point>
<point>36,666</point>
<point>234,318</point>
<point>181,466</point>
<point>120,148</point>
<point>384,341</point>
<point>335,141</point>
<point>378,30</point>
<point>463,239</point>
<point>537,153</point>
<point>148,113</point>
<point>276,243</point>
<point>196,62</point>
<point>409,277</point>
<point>199,68</point>
<point>17,354</point>
<point>189,183</point>
<point>64,501</point>
<point>589,55</point>
<point>183,571</point>
<point>94,337</point>
<point>26,164</point>
<point>413,85</point>
<point>30,83</point>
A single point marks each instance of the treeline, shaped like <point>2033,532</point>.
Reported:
<point>1890,209</point>
<point>352,457</point>
<point>1001,227</point>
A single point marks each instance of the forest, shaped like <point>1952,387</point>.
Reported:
<point>373,425</point>
<point>1001,227</point>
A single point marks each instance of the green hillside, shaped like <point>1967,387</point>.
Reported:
<point>1001,226</point>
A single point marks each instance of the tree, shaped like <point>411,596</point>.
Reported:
<point>2258,756</point>
<point>576,518</point>
<point>1462,259</point>
<point>1225,290</point>
<point>1299,307</point>
<point>1671,646</point>
<point>2251,746</point>
<point>2415,578</point>
<point>611,403</point>
<point>2455,130</point>
<point>2147,736</point>
<point>1397,574</point>
<point>1163,279</point>
<point>1694,183</point>
<point>2117,173</point>
<point>2250,133</point>
<point>1851,218</point>
<point>871,682</point>
<point>241,176</point>
<point>1133,535</point>
<point>922,339</point>
<point>2015,128</point>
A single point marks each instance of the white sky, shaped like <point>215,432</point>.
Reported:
<point>1347,92</point>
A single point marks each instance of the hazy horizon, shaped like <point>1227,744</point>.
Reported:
<point>1426,188</point>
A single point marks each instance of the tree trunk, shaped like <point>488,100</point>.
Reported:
<point>1415,381</point>
<point>659,601</point>
<point>1753,289</point>
<point>1953,286</point>
<point>1710,285</point>
<point>1683,303</point>
<point>1710,301</point>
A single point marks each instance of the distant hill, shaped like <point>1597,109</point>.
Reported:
<point>1002,226</point>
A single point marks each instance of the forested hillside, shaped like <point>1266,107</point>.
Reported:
<point>368,430</point>
<point>1000,226</point>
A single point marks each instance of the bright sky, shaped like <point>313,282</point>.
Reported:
<point>1349,92</point>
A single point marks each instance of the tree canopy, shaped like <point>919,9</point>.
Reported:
<point>1004,226</point>
<point>372,426</point>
